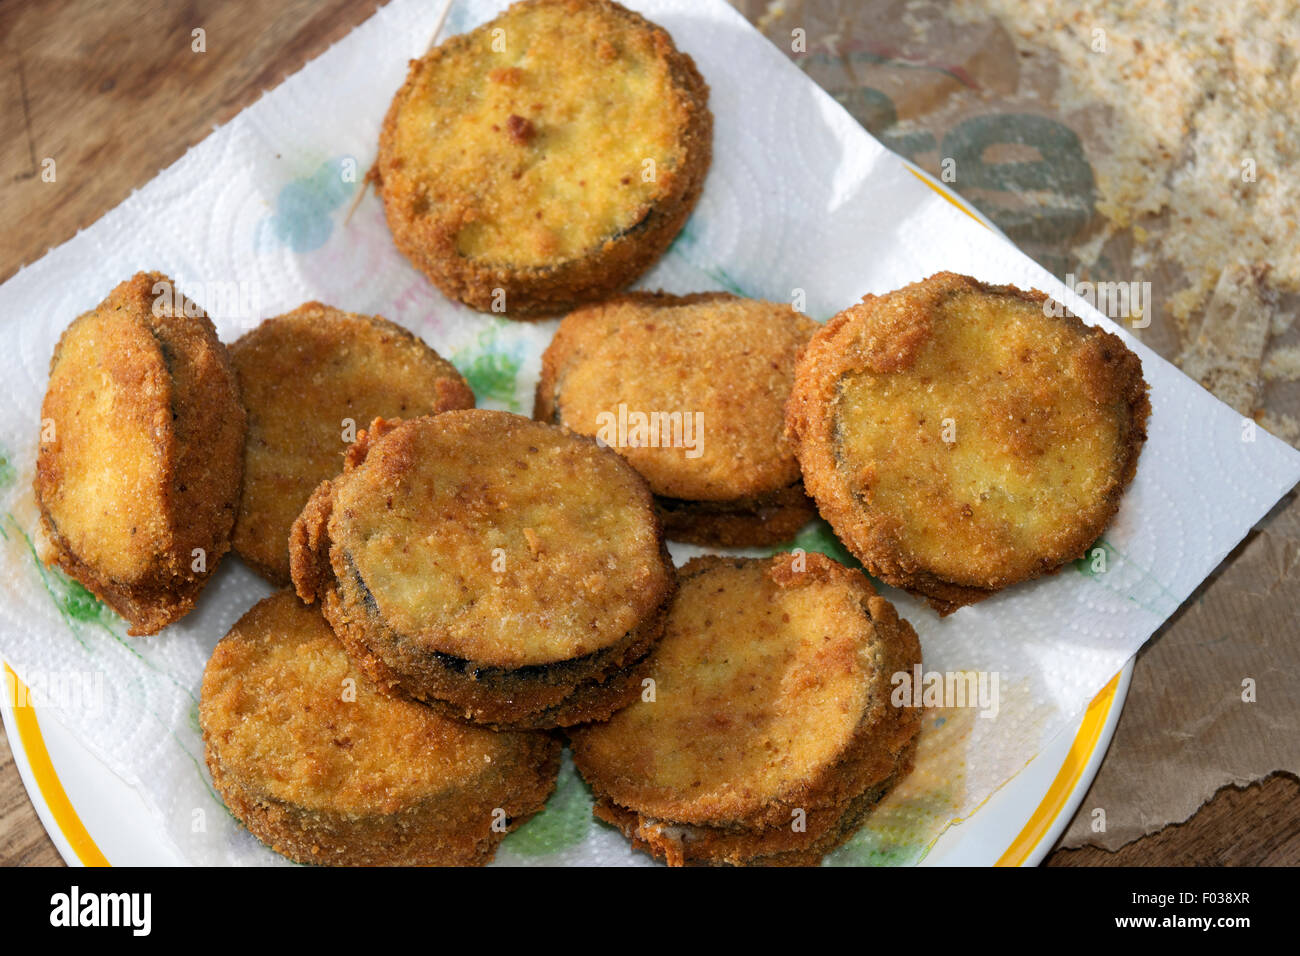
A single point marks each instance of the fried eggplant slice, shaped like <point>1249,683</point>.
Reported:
<point>509,572</point>
<point>691,390</point>
<point>546,158</point>
<point>962,437</point>
<point>310,380</point>
<point>770,733</point>
<point>141,452</point>
<point>324,768</point>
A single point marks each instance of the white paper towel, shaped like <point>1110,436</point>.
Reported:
<point>250,224</point>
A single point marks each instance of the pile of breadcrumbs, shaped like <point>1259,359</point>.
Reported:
<point>1201,160</point>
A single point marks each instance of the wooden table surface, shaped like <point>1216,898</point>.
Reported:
<point>113,92</point>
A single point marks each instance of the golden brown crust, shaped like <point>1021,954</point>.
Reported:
<point>711,372</point>
<point>140,481</point>
<point>561,574</point>
<point>695,845</point>
<point>529,137</point>
<point>324,768</point>
<point>725,360</point>
<point>344,368</point>
<point>536,697</point>
<point>1046,419</point>
<point>772,701</point>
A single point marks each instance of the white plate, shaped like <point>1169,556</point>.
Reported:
<point>96,819</point>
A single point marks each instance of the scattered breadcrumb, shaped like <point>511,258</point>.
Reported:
<point>1282,364</point>
<point>1225,354</point>
<point>1282,425</point>
<point>1202,150</point>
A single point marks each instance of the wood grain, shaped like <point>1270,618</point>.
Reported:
<point>1258,825</point>
<point>113,92</point>
<point>22,838</point>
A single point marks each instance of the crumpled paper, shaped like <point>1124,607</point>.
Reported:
<point>800,201</point>
<point>1213,700</point>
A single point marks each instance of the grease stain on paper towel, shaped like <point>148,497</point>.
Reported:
<point>75,604</point>
<point>903,827</point>
<point>491,366</point>
<point>7,473</point>
<point>303,218</point>
<point>686,245</point>
<point>1100,562</point>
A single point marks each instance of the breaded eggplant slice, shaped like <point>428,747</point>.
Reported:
<point>545,159</point>
<point>771,733</point>
<point>962,437</point>
<point>509,572</point>
<point>691,390</point>
<point>324,768</point>
<point>310,380</point>
<point>141,452</point>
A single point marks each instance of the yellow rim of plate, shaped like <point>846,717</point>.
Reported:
<point>1067,778</point>
<point>88,852</point>
<point>47,779</point>
<point>1085,742</point>
<point>951,197</point>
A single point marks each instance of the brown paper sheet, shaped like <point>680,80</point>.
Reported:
<point>1189,726</point>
